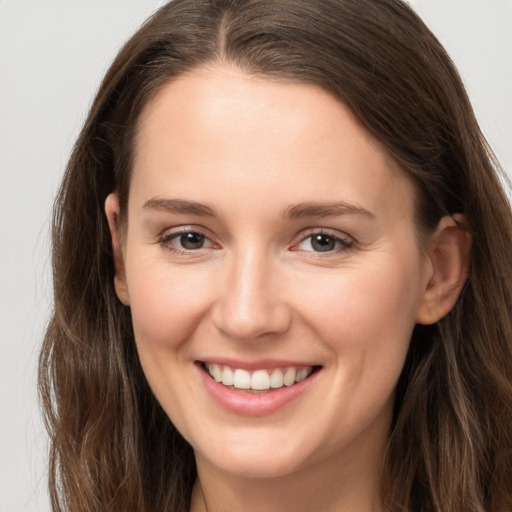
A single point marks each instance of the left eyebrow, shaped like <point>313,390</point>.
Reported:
<point>302,210</point>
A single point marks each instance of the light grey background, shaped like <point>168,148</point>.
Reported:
<point>52,57</point>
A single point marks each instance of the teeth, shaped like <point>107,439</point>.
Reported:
<point>260,380</point>
<point>289,376</point>
<point>276,379</point>
<point>302,373</point>
<point>227,376</point>
<point>217,373</point>
<point>242,379</point>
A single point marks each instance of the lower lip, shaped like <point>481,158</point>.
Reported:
<point>254,404</point>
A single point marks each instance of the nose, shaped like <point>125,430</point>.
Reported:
<point>250,302</point>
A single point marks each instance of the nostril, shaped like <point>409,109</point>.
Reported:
<point>242,325</point>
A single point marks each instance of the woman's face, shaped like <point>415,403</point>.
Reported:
<point>269,240</point>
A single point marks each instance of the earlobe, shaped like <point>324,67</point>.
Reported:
<point>448,256</point>
<point>112,212</point>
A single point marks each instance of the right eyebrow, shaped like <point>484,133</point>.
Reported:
<point>179,206</point>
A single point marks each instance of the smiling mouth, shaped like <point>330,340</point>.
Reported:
<point>263,380</point>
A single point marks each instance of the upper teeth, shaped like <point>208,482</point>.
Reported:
<point>260,379</point>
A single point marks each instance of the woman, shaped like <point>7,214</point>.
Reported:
<point>282,275</point>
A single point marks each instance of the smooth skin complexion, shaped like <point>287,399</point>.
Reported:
<point>268,232</point>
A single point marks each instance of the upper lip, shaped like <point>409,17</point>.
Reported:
<point>256,364</point>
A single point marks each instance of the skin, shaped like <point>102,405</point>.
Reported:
<point>250,150</point>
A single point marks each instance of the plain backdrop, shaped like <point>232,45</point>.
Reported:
<point>53,54</point>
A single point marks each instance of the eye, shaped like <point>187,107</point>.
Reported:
<point>190,241</point>
<point>185,241</point>
<point>324,242</point>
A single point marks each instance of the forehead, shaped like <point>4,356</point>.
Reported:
<point>219,129</point>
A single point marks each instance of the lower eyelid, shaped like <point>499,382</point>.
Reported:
<point>167,241</point>
<point>345,242</point>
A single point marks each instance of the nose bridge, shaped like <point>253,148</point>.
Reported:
<point>250,303</point>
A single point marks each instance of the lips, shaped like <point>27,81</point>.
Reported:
<point>254,394</point>
<point>260,379</point>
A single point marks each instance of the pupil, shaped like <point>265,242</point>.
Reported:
<point>192,240</point>
<point>323,243</point>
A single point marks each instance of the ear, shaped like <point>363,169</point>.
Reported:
<point>112,212</point>
<point>448,255</point>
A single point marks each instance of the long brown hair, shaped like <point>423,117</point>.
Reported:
<point>112,446</point>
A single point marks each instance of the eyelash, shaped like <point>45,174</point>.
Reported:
<point>342,244</point>
<point>166,241</point>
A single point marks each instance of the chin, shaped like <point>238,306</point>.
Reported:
<point>271,466</point>
<point>255,459</point>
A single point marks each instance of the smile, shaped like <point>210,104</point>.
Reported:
<point>258,380</point>
<point>256,390</point>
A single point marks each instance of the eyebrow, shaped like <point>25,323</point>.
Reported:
<point>179,206</point>
<point>297,211</point>
<point>319,210</point>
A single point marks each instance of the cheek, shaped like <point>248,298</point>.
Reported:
<point>383,303</point>
<point>366,313</point>
<point>166,305</point>
<point>366,318</point>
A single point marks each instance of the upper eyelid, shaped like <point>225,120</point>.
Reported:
<point>348,242</point>
<point>305,233</point>
<point>167,235</point>
<point>302,235</point>
<point>186,228</point>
